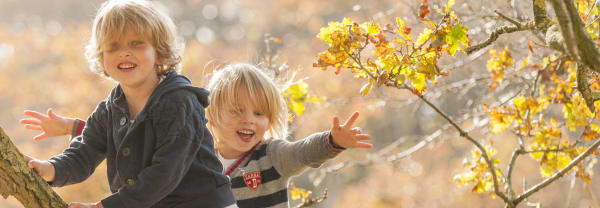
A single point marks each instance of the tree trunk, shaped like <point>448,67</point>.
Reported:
<point>21,182</point>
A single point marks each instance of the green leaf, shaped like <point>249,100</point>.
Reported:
<point>457,35</point>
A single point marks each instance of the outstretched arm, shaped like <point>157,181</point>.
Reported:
<point>50,124</point>
<point>290,159</point>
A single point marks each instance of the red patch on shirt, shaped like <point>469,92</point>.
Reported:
<point>252,179</point>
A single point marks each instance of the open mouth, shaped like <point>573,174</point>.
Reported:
<point>245,134</point>
<point>126,66</point>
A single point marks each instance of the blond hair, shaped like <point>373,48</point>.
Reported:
<point>226,83</point>
<point>144,17</point>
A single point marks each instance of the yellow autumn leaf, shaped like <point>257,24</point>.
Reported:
<point>365,89</point>
<point>500,121</point>
<point>296,107</point>
<point>297,193</point>
<point>423,37</point>
<point>524,63</point>
<point>449,5</point>
<point>419,82</point>
<point>372,28</point>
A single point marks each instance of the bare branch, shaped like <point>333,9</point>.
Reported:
<point>511,165</point>
<point>558,174</point>
<point>496,33</point>
<point>540,16</point>
<point>584,89</point>
<point>515,22</point>
<point>464,134</point>
<point>578,42</point>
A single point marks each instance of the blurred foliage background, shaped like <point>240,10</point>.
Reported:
<point>42,66</point>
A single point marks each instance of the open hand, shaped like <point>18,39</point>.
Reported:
<point>348,137</point>
<point>51,124</point>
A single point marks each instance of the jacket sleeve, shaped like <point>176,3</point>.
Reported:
<point>85,152</point>
<point>177,143</point>
<point>291,158</point>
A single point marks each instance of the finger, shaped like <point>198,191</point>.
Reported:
<point>30,121</point>
<point>363,145</point>
<point>35,114</point>
<point>40,137</point>
<point>33,163</point>
<point>362,137</point>
<point>74,205</point>
<point>357,129</point>
<point>336,122</point>
<point>51,113</point>
<point>27,158</point>
<point>351,120</point>
<point>33,127</point>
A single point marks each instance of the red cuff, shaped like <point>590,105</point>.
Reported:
<point>80,125</point>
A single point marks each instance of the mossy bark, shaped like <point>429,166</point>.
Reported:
<point>21,182</point>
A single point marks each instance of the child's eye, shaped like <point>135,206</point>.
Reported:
<point>137,43</point>
<point>112,47</point>
<point>258,113</point>
<point>237,111</point>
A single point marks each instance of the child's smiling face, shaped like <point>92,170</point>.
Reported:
<point>130,59</point>
<point>241,127</point>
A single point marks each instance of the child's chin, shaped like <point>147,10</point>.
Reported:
<point>246,140</point>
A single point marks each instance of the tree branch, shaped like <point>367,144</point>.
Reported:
<point>558,174</point>
<point>584,89</point>
<point>578,43</point>
<point>511,166</point>
<point>515,22</point>
<point>579,47</point>
<point>540,16</point>
<point>496,33</point>
<point>468,137</point>
<point>20,181</point>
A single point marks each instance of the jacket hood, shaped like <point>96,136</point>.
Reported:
<point>172,81</point>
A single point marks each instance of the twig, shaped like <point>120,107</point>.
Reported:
<point>590,10</point>
<point>511,165</point>
<point>468,137</point>
<point>496,33</point>
<point>558,174</point>
<point>515,22</point>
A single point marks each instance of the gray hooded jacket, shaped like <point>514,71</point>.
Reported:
<point>164,158</point>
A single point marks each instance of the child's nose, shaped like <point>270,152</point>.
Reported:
<point>124,53</point>
<point>249,118</point>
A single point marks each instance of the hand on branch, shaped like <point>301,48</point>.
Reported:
<point>42,167</point>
